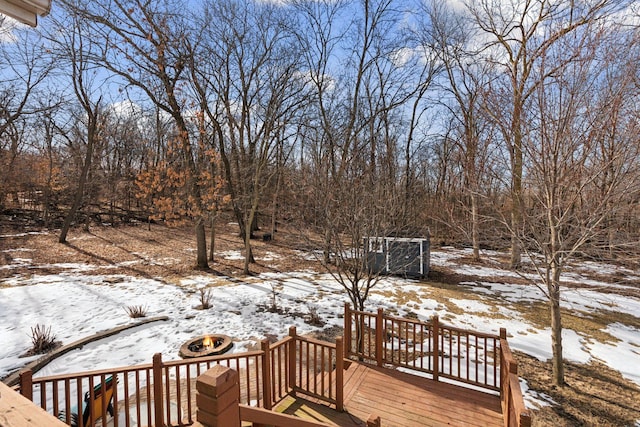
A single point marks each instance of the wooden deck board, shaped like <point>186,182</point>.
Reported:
<point>18,411</point>
<point>400,399</point>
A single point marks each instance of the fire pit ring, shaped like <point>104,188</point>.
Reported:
<point>206,345</point>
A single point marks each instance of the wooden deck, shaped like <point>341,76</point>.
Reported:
<point>401,400</point>
<point>18,411</point>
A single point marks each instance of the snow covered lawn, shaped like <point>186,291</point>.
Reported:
<point>76,304</point>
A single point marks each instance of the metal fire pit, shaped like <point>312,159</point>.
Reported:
<point>195,348</point>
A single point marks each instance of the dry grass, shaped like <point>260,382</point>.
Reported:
<point>160,252</point>
<point>595,395</point>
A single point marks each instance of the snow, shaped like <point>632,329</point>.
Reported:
<point>533,398</point>
<point>77,305</point>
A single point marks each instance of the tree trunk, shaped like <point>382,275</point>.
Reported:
<point>212,237</point>
<point>327,249</point>
<point>516,218</point>
<point>474,227</point>
<point>556,329</point>
<point>77,201</point>
<point>248,253</point>
<point>201,241</point>
<point>274,209</point>
<point>516,179</point>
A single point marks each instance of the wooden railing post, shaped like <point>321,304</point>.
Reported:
<point>292,360</point>
<point>217,397</point>
<point>435,332</point>
<point>347,329</point>
<point>339,374</point>
<point>503,333</point>
<point>525,420</point>
<point>266,374</point>
<point>380,356</point>
<point>157,390</point>
<point>26,384</point>
<point>506,411</point>
<point>373,421</point>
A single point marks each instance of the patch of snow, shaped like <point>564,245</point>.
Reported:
<point>16,263</point>
<point>270,256</point>
<point>231,255</point>
<point>622,356</point>
<point>31,233</point>
<point>534,399</point>
<point>76,305</point>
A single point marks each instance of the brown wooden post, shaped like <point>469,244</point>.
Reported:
<point>292,359</point>
<point>347,329</point>
<point>26,383</point>
<point>266,374</point>
<point>435,333</point>
<point>218,398</point>
<point>379,330</point>
<point>503,333</point>
<point>157,390</point>
<point>525,420</point>
<point>374,421</point>
<point>506,411</point>
<point>339,374</point>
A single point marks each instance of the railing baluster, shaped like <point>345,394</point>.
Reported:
<point>103,400</point>
<point>126,399</point>
<point>188,397</point>
<point>476,364</point>
<point>67,400</point>
<point>258,391</point>
<point>150,405</point>
<point>54,393</point>
<point>43,396</point>
<point>79,394</point>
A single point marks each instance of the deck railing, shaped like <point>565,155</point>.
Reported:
<point>443,351</point>
<point>470,357</point>
<point>318,368</point>
<point>180,375</point>
<point>514,411</point>
<point>163,392</point>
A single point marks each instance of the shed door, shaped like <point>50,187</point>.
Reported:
<point>403,257</point>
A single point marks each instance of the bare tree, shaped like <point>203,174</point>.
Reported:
<point>352,129</point>
<point>25,66</point>
<point>580,172</point>
<point>73,48</point>
<point>144,45</point>
<point>467,77</point>
<point>518,35</point>
<point>249,85</point>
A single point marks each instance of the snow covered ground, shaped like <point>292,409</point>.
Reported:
<point>77,305</point>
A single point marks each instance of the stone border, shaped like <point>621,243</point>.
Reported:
<point>14,378</point>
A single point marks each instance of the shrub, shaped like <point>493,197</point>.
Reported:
<point>205,298</point>
<point>42,339</point>
<point>274,299</point>
<point>313,318</point>
<point>136,311</point>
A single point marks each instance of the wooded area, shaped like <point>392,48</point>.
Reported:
<point>505,125</point>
